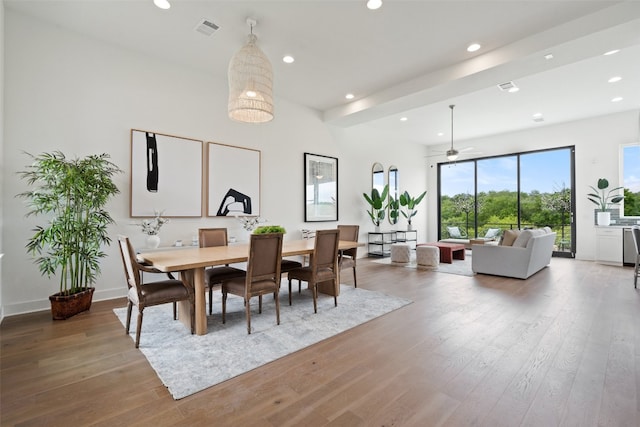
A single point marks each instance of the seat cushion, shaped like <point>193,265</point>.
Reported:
<point>454,232</point>
<point>288,265</point>
<point>160,292</point>
<point>215,275</point>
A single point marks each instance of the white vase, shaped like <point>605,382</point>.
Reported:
<point>604,218</point>
<point>377,228</point>
<point>153,241</point>
<point>409,227</point>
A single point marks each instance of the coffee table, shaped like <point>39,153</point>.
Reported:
<point>448,251</point>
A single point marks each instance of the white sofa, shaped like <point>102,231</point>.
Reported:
<point>530,253</point>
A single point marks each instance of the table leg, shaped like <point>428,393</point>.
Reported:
<point>195,278</point>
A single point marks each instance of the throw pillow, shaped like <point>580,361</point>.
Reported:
<point>523,239</point>
<point>509,236</point>
<point>454,232</point>
<point>492,233</point>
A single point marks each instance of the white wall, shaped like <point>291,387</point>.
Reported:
<point>69,92</point>
<point>597,142</point>
<point>1,145</point>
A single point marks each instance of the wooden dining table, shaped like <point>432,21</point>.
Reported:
<point>192,262</point>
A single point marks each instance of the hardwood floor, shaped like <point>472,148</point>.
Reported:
<point>562,348</point>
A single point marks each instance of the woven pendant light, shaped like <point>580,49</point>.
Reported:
<point>250,83</point>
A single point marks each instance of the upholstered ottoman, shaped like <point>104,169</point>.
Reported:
<point>400,253</point>
<point>427,256</point>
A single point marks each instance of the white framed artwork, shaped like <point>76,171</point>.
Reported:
<point>166,175</point>
<point>233,180</point>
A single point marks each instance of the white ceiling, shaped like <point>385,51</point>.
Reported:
<point>406,59</point>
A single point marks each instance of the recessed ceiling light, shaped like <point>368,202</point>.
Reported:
<point>537,117</point>
<point>508,86</point>
<point>615,79</point>
<point>473,47</point>
<point>611,52</point>
<point>162,4</point>
<point>349,96</point>
<point>440,133</point>
<point>548,56</point>
<point>514,89</point>
<point>617,99</point>
<point>374,4</point>
<point>403,119</point>
<point>288,59</point>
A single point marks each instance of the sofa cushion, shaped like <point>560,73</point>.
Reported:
<point>454,232</point>
<point>492,233</point>
<point>522,240</point>
<point>508,237</point>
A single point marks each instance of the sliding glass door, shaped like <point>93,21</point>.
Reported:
<point>533,189</point>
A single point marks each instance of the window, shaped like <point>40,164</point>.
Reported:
<point>630,172</point>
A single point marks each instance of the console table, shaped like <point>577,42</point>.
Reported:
<point>379,242</point>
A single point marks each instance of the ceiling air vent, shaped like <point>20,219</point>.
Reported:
<point>507,86</point>
<point>206,27</point>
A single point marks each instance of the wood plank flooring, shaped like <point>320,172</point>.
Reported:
<point>559,349</point>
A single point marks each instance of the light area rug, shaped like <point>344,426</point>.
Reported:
<point>188,363</point>
<point>460,267</point>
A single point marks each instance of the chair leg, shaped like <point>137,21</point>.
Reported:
<point>260,304</point>
<point>248,310</point>
<point>335,297</point>
<point>277,307</point>
<point>314,291</point>
<point>129,308</point>
<point>299,286</point>
<point>210,299</point>
<point>192,301</point>
<point>355,282</point>
<point>289,291</point>
<point>224,306</point>
<point>139,329</point>
<point>175,311</point>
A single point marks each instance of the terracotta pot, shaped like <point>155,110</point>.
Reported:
<point>65,306</point>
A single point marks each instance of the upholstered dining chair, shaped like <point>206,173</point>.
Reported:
<point>323,265</point>
<point>347,257</point>
<point>263,275</point>
<point>149,294</point>
<point>635,232</point>
<point>209,237</point>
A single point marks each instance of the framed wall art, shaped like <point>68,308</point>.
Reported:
<point>166,175</point>
<point>320,188</point>
<point>233,180</point>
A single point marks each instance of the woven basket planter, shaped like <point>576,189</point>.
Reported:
<point>65,306</point>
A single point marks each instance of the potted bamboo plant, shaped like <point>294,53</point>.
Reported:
<point>410,204</point>
<point>603,198</point>
<point>72,194</point>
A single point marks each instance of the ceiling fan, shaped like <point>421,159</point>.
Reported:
<point>452,154</point>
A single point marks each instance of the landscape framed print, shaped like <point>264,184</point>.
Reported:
<point>320,188</point>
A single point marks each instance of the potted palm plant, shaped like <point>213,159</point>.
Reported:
<point>378,205</point>
<point>603,198</point>
<point>72,193</point>
<point>410,204</point>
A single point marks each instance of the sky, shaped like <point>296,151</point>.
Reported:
<point>545,171</point>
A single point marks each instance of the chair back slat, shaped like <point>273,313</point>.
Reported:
<point>131,270</point>
<point>210,237</point>
<point>325,254</point>
<point>635,232</point>
<point>265,255</point>
<point>349,233</point>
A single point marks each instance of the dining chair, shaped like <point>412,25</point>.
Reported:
<point>263,275</point>
<point>347,257</point>
<point>210,237</point>
<point>635,232</point>
<point>153,293</point>
<point>323,265</point>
